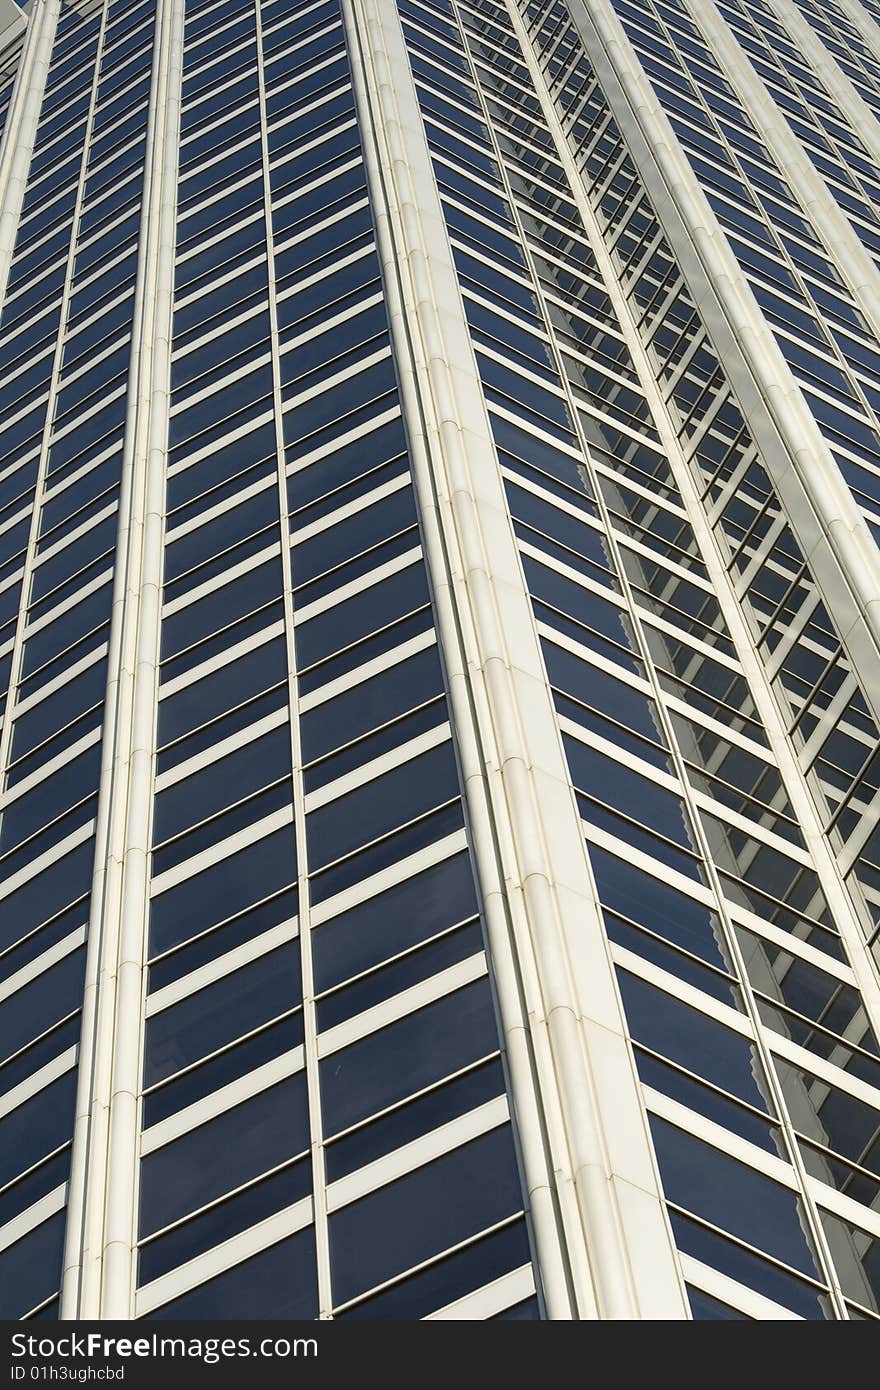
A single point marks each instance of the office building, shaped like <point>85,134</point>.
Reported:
<point>440,659</point>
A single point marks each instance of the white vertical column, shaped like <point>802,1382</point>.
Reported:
<point>21,119</point>
<point>604,1246</point>
<point>101,1231</point>
<point>855,266</point>
<point>824,63</point>
<point>831,532</point>
<point>864,22</point>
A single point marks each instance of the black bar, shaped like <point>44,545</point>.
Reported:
<point>253,1355</point>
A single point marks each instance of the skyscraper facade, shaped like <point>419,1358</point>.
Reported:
<point>440,659</point>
